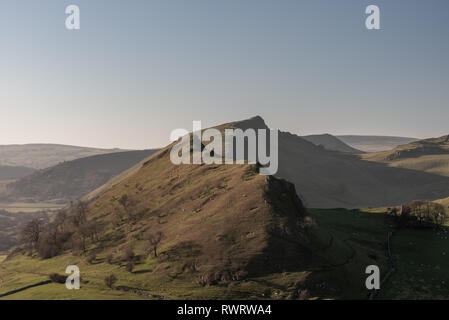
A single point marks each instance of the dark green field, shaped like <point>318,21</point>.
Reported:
<point>420,254</point>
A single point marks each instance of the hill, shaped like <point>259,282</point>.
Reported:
<point>227,232</point>
<point>10,173</point>
<point>72,179</point>
<point>329,179</point>
<point>331,142</point>
<point>40,156</point>
<point>374,143</point>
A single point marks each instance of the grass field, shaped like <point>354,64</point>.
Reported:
<point>17,207</point>
<point>423,265</point>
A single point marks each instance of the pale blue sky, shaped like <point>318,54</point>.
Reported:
<point>138,69</point>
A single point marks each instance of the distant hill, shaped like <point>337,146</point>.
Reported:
<point>432,146</point>
<point>41,156</point>
<point>374,143</point>
<point>428,155</point>
<point>72,179</point>
<point>331,142</point>
<point>9,173</point>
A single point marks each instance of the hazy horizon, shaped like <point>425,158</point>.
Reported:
<point>136,71</point>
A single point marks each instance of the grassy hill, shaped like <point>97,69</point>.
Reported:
<point>40,156</point>
<point>331,142</point>
<point>9,173</point>
<point>72,179</point>
<point>374,143</point>
<point>227,232</point>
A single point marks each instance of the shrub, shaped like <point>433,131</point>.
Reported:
<point>129,254</point>
<point>91,258</point>
<point>109,258</point>
<point>130,266</point>
<point>46,247</point>
<point>421,214</point>
<point>57,278</point>
<point>110,281</point>
<point>303,294</point>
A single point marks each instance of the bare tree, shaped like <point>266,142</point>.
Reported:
<point>129,254</point>
<point>31,233</point>
<point>60,220</point>
<point>110,281</point>
<point>80,216</point>
<point>124,201</point>
<point>110,258</point>
<point>154,239</point>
